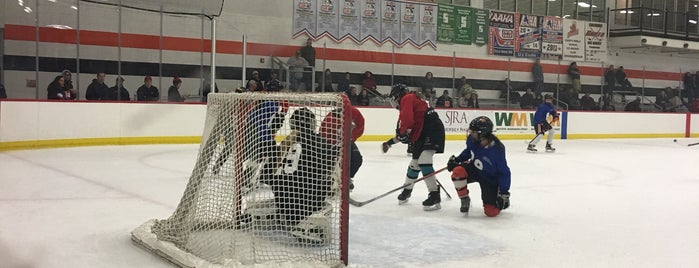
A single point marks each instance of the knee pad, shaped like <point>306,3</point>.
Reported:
<point>491,210</point>
<point>459,173</point>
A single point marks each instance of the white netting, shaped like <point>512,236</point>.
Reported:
<point>266,187</point>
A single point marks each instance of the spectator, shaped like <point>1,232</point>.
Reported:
<point>574,74</point>
<point>251,86</point>
<point>606,102</point>
<point>622,80</point>
<point>661,100</point>
<point>147,92</point>
<point>507,91</point>
<point>309,53</point>
<point>461,86</point>
<point>369,84</point>
<point>427,86</point>
<point>97,90</point>
<point>675,104</point>
<point>206,89</point>
<point>344,84</point>
<point>689,86</point>
<point>274,84</point>
<point>68,78</point>
<point>444,100</point>
<point>353,95</point>
<point>587,103</point>
<point>118,92</point>
<point>634,106</point>
<point>470,100</point>
<point>57,90</point>
<point>173,93</point>
<point>363,98</point>
<point>3,93</point>
<point>610,78</point>
<point>527,102</point>
<point>538,75</point>
<point>296,65</point>
<point>328,82</point>
<point>256,78</point>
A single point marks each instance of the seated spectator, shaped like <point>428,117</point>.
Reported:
<point>327,83</point>
<point>274,84</point>
<point>57,90</point>
<point>206,89</point>
<point>461,86</point>
<point>118,92</point>
<point>3,93</point>
<point>369,83</point>
<point>173,93</point>
<point>68,78</point>
<point>505,88</point>
<point>363,98</point>
<point>344,84</point>
<point>470,100</point>
<point>444,100</point>
<point>605,101</point>
<point>661,100</point>
<point>256,79</point>
<point>675,104</point>
<point>634,106</point>
<point>97,90</point>
<point>587,103</point>
<point>527,101</point>
<point>147,92</point>
<point>427,86</point>
<point>251,86</point>
<point>353,95</point>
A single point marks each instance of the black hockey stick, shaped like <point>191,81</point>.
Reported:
<point>443,189</point>
<point>362,203</point>
<point>691,144</point>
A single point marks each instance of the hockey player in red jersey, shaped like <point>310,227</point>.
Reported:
<point>329,130</point>
<point>420,125</point>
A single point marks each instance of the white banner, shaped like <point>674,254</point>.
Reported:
<point>428,24</point>
<point>573,40</point>
<point>390,23</point>
<point>305,17</point>
<point>409,30</point>
<point>350,22</point>
<point>371,23</point>
<point>328,18</point>
<point>596,42</point>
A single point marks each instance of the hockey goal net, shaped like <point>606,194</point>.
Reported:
<point>268,186</point>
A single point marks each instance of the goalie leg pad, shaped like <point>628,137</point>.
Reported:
<point>314,229</point>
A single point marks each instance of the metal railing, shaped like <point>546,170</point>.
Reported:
<point>653,22</point>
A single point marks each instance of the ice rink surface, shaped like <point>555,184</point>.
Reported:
<point>593,203</point>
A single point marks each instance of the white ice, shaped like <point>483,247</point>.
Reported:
<point>593,203</point>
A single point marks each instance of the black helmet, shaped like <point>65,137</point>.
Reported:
<point>481,125</point>
<point>398,91</point>
<point>303,120</point>
<point>548,97</point>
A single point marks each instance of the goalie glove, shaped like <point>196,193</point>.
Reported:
<point>503,200</point>
<point>404,137</point>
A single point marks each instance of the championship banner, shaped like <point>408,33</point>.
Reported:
<point>464,29</point>
<point>529,37</point>
<point>595,42</point>
<point>446,23</point>
<point>503,34</point>
<point>304,17</point>
<point>390,25</point>
<point>328,19</point>
<point>552,37</point>
<point>409,30</point>
<point>480,27</point>
<point>573,47</point>
<point>370,22</point>
<point>428,25</point>
<point>350,22</point>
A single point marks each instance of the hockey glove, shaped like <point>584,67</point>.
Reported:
<point>452,163</point>
<point>503,200</point>
<point>404,137</point>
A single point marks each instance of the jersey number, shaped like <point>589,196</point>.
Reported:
<point>291,159</point>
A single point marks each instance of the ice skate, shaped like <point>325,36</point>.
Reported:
<point>465,204</point>
<point>432,202</point>
<point>531,148</point>
<point>384,147</point>
<point>549,148</point>
<point>404,196</point>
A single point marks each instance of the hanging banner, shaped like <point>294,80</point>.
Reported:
<point>529,37</point>
<point>480,27</point>
<point>552,37</point>
<point>464,29</point>
<point>304,17</point>
<point>328,19</point>
<point>446,24</point>
<point>370,24</point>
<point>595,42</point>
<point>409,30</point>
<point>503,34</point>
<point>573,46</point>
<point>390,25</point>
<point>350,20</point>
<point>428,25</point>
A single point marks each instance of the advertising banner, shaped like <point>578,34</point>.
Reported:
<point>595,42</point>
<point>573,46</point>
<point>552,36</point>
<point>529,37</point>
<point>503,34</point>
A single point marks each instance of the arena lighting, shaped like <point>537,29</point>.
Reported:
<point>693,21</point>
<point>653,14</point>
<point>59,26</point>
<point>586,5</point>
<point>626,12</point>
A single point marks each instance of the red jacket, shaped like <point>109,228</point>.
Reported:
<point>330,125</point>
<point>412,115</point>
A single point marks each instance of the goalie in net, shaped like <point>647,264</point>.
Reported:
<point>253,200</point>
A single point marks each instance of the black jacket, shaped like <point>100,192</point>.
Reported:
<point>96,90</point>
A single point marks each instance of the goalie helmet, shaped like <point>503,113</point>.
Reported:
<point>303,120</point>
<point>481,125</point>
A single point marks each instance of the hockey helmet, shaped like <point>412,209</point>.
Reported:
<point>548,97</point>
<point>303,120</point>
<point>398,91</point>
<point>481,125</point>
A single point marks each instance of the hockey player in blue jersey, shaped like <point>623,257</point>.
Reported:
<point>482,161</point>
<point>541,124</point>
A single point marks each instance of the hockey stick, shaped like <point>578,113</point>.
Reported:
<point>443,189</point>
<point>691,144</point>
<point>362,203</point>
